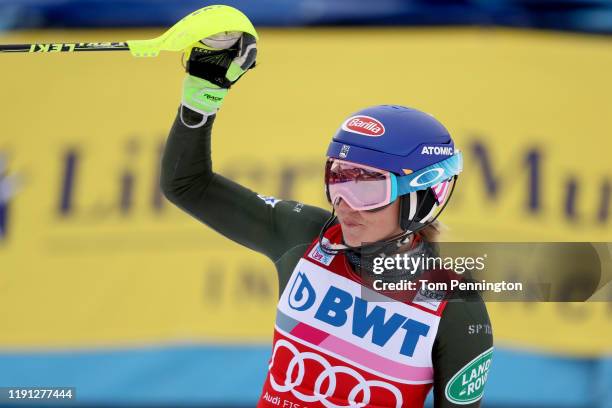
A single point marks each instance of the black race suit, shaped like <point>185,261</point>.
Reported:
<point>283,234</point>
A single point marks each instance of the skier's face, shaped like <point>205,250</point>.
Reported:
<point>363,227</point>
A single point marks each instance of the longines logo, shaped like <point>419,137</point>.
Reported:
<point>8,188</point>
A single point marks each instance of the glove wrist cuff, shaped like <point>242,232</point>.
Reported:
<point>202,96</point>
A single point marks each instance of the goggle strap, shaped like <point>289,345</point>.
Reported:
<point>419,225</point>
<point>329,248</point>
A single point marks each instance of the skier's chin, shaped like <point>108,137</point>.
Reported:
<point>353,234</point>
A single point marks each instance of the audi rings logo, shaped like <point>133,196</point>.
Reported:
<point>293,380</point>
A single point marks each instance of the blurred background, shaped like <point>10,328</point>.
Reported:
<point>106,287</point>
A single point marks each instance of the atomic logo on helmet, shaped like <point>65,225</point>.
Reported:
<point>438,150</point>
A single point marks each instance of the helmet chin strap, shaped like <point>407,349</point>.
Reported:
<point>390,245</point>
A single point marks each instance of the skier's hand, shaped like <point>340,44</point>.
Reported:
<point>223,67</point>
<point>211,72</point>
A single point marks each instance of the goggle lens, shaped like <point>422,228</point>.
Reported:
<point>362,187</point>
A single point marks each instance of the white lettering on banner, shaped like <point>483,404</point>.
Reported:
<point>293,379</point>
<point>346,309</point>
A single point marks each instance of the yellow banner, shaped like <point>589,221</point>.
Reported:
<point>92,255</point>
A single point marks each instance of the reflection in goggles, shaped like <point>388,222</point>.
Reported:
<point>362,187</point>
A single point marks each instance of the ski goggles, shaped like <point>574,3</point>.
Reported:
<point>367,188</point>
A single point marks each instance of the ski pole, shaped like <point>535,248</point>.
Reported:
<point>201,24</point>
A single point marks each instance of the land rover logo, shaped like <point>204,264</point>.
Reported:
<point>467,385</point>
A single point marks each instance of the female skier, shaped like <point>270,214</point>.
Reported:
<point>338,343</point>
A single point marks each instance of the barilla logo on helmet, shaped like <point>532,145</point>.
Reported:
<point>364,125</point>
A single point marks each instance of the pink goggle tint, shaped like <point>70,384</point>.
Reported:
<point>362,187</point>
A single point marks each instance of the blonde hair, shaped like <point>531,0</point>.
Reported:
<point>433,232</point>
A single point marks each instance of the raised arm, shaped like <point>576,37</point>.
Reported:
<point>262,224</point>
